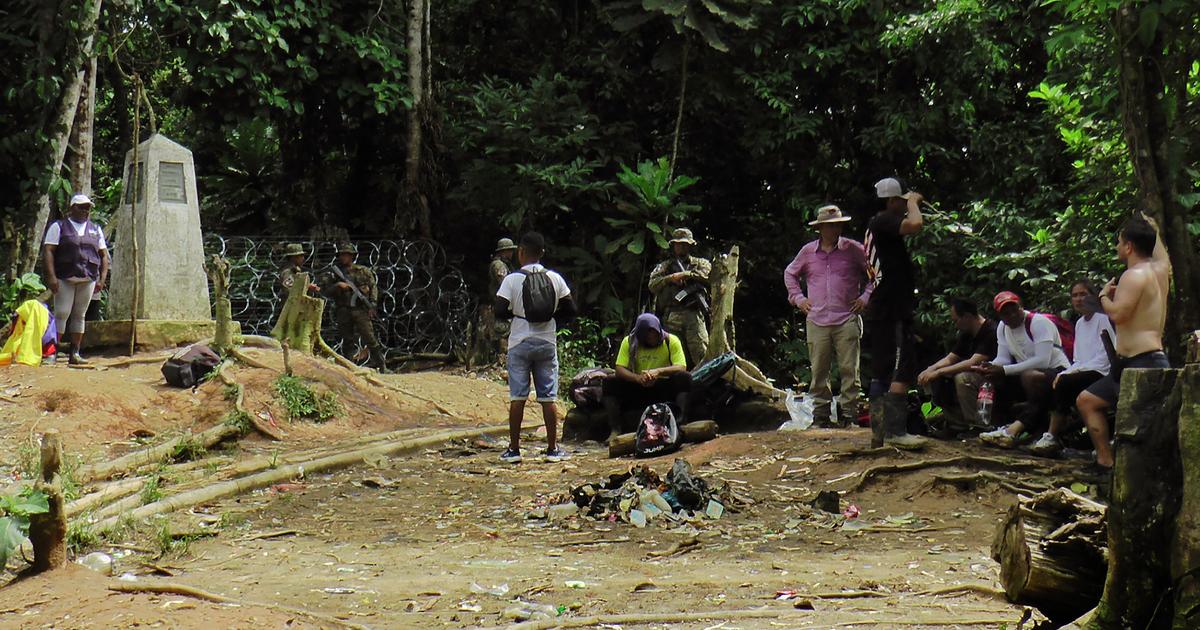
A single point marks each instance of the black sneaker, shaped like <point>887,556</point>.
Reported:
<point>557,454</point>
<point>511,456</point>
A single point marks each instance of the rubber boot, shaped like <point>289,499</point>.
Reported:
<point>877,420</point>
<point>895,422</point>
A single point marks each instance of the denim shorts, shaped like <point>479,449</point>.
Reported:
<point>538,357</point>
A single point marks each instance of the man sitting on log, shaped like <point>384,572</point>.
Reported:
<point>651,368</point>
<point>1139,312</point>
<point>1029,355</point>
<point>952,382</point>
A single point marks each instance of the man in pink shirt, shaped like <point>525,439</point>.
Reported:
<point>834,270</point>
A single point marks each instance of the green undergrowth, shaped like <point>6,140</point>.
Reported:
<point>303,403</point>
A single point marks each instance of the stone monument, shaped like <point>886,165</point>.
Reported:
<point>173,305</point>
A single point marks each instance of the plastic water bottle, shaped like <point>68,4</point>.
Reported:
<point>984,402</point>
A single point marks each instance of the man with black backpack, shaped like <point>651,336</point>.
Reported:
<point>535,298</point>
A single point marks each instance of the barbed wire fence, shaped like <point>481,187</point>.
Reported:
<point>425,305</point>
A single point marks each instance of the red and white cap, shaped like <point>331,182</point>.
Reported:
<point>1005,297</point>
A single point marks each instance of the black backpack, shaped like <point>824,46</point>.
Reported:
<point>538,296</point>
<point>190,365</point>
<point>658,432</point>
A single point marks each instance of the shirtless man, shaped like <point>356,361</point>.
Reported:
<point>1138,311</point>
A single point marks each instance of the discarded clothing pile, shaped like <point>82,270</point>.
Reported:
<point>640,495</point>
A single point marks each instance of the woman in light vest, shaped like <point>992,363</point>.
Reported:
<point>76,257</point>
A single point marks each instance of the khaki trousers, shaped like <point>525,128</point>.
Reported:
<point>689,326</point>
<point>823,343</point>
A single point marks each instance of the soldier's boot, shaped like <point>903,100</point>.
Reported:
<point>895,423</point>
<point>375,359</point>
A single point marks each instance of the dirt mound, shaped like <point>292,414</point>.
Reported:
<point>106,411</point>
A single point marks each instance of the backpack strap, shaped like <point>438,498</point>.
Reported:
<point>1029,324</point>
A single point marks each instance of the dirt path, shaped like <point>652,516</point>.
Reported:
<point>451,537</point>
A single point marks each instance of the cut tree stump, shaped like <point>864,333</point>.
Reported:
<point>1052,553</point>
<point>48,532</point>
<point>1186,557</point>
<point>299,322</point>
<point>218,273</point>
<point>1146,495</point>
<point>699,431</point>
<point>745,375</point>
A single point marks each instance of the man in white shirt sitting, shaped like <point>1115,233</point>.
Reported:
<point>1029,355</point>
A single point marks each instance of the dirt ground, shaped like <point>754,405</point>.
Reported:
<point>451,537</point>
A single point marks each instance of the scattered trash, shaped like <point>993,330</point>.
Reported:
<point>377,482</point>
<point>525,611</point>
<point>575,584</point>
<point>828,501</point>
<point>287,487</point>
<point>500,590</point>
<point>469,605</point>
<point>800,411</point>
<point>339,590</point>
<point>99,562</point>
<point>645,587</point>
<point>640,496</point>
<point>785,595</point>
<point>128,577</point>
<point>851,512</point>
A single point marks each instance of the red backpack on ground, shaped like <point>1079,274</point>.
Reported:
<point>1066,331</point>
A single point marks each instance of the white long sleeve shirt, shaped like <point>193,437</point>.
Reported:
<point>1089,350</point>
<point>1018,353</point>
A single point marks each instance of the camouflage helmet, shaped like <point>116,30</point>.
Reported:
<point>346,247</point>
<point>682,235</point>
<point>293,249</point>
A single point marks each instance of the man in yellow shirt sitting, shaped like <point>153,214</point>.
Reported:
<point>651,368</point>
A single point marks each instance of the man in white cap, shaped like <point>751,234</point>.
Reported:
<point>76,260</point>
<point>835,271</point>
<point>890,314</point>
<point>680,287</point>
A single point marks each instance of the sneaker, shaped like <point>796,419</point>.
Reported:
<point>906,442</point>
<point>999,438</point>
<point>1047,445</point>
<point>77,359</point>
<point>511,456</point>
<point>555,455</point>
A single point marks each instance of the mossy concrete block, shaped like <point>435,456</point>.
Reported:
<point>152,334</point>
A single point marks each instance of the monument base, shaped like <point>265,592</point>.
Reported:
<point>152,334</point>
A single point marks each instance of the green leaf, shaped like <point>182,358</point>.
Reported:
<point>1079,488</point>
<point>637,245</point>
<point>11,538</point>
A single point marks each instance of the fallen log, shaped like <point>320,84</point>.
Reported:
<point>1052,552</point>
<point>242,485</point>
<point>699,431</point>
<point>154,454</point>
<point>107,494</point>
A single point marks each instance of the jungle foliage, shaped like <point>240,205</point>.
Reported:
<point>604,123</point>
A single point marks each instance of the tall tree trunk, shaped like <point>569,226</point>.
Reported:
<point>416,200</point>
<point>57,130</point>
<point>79,161</point>
<point>1152,98</point>
<point>683,77</point>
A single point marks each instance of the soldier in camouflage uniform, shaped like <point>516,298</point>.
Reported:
<point>680,287</point>
<point>294,254</point>
<point>351,311</point>
<point>500,267</point>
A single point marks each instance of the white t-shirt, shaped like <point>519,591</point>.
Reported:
<point>1089,349</point>
<point>54,234</point>
<point>1018,353</point>
<point>522,329</point>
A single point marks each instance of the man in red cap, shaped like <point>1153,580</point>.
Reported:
<point>1029,354</point>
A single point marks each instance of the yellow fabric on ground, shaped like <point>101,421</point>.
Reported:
<point>24,345</point>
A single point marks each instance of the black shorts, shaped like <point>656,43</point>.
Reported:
<point>893,351</point>
<point>1108,388</point>
<point>1070,386</point>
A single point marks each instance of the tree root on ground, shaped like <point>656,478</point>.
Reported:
<point>239,405</point>
<point>169,588</point>
<point>632,619</point>
<point>1006,462</point>
<point>152,455</point>
<point>1015,486</point>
